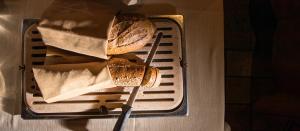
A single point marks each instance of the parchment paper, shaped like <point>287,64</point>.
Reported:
<point>64,81</point>
<point>79,25</point>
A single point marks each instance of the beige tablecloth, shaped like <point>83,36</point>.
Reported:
<point>205,58</point>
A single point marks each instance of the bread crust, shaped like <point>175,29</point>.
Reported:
<point>129,33</point>
<point>126,73</point>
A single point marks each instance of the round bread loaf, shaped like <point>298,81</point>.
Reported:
<point>126,73</point>
<point>128,33</point>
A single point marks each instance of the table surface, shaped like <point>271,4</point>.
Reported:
<point>204,33</point>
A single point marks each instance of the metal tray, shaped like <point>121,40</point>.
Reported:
<point>167,100</point>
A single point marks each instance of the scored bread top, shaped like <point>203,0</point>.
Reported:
<point>129,33</point>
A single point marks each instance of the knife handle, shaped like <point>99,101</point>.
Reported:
<point>126,111</point>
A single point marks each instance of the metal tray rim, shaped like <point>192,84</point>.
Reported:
<point>180,110</point>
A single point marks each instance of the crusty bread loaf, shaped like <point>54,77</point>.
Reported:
<point>126,73</point>
<point>128,33</point>
<point>94,28</point>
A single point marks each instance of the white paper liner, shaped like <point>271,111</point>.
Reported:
<point>79,26</point>
<point>86,45</point>
<point>64,81</point>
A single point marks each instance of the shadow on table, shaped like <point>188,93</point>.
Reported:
<point>2,6</point>
<point>75,124</point>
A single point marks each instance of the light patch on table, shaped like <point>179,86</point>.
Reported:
<point>4,19</point>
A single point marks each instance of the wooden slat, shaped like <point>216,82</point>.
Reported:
<point>103,98</point>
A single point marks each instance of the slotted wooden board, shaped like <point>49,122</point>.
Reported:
<point>166,97</point>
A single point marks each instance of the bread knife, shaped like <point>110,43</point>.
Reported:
<point>126,109</point>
